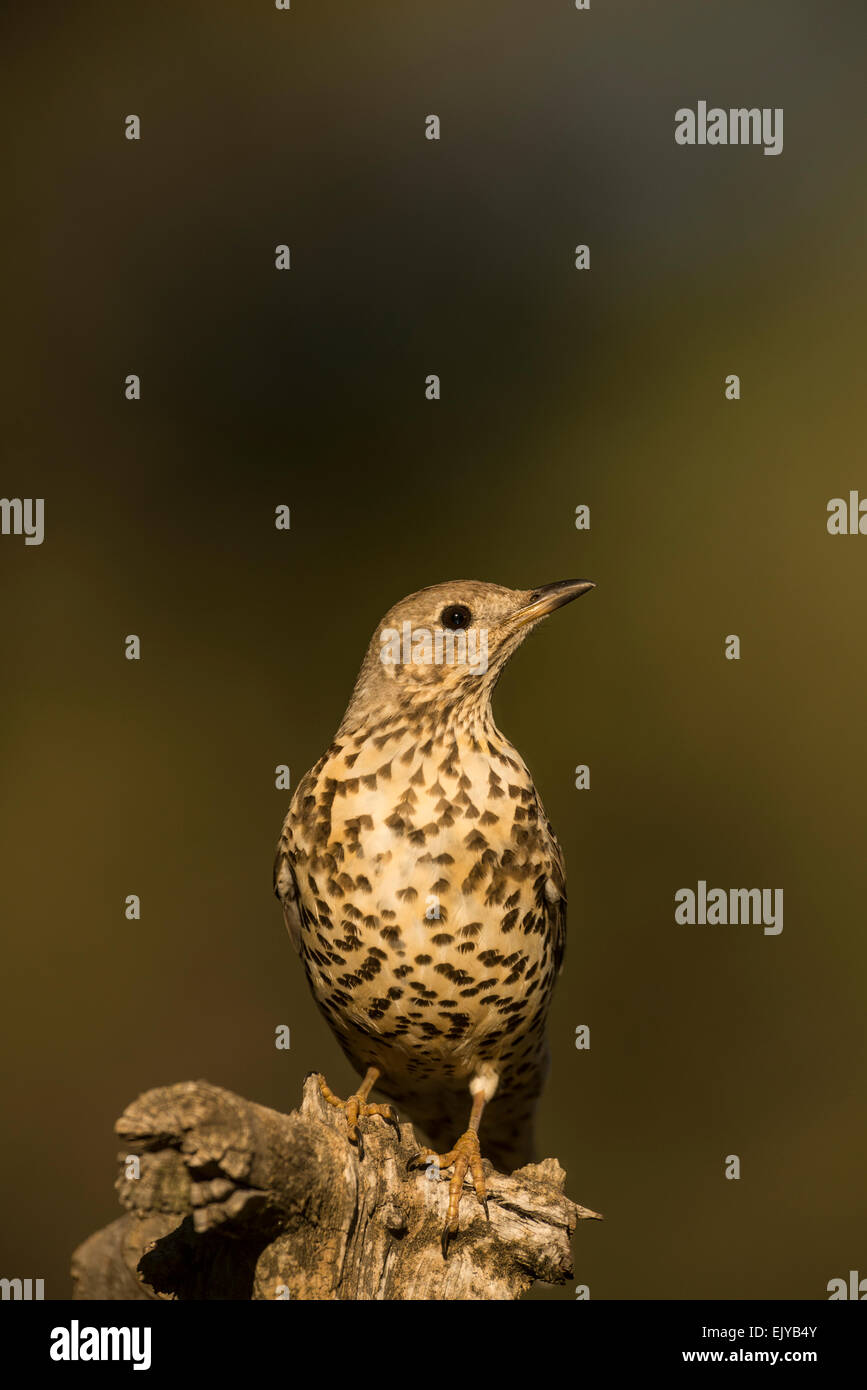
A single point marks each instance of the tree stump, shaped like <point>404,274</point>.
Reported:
<point>236,1201</point>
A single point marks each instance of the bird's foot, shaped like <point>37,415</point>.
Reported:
<point>466,1154</point>
<point>357,1107</point>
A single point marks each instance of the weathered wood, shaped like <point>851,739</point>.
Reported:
<point>236,1201</point>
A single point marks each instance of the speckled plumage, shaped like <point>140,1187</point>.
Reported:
<point>420,807</point>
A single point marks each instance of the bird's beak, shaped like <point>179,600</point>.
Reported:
<point>543,601</point>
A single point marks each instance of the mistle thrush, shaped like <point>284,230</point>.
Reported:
<point>423,886</point>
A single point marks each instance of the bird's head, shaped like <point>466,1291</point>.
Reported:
<point>446,645</point>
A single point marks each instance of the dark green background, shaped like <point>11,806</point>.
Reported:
<point>307,388</point>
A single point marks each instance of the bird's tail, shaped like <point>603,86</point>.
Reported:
<point>507,1136</point>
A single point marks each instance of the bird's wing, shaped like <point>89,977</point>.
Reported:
<point>286,888</point>
<point>555,893</point>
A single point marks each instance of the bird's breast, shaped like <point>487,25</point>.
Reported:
<point>425,879</point>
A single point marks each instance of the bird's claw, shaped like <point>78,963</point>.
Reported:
<point>390,1115</point>
<point>465,1155</point>
<point>416,1160</point>
<point>355,1108</point>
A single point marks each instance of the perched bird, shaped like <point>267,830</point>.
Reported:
<point>424,888</point>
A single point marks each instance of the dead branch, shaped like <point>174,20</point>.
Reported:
<point>235,1201</point>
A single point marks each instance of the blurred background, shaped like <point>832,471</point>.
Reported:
<point>306,388</point>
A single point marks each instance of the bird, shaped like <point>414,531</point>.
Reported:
<point>425,890</point>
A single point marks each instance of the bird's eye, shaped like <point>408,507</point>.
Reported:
<point>456,616</point>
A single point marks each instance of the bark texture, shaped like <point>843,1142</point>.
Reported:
<point>236,1201</point>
